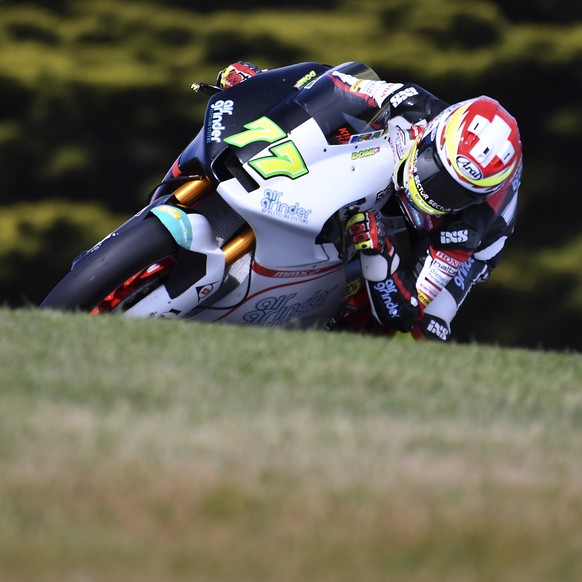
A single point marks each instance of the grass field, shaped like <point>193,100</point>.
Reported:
<point>163,451</point>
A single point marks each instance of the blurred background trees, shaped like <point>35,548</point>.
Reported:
<point>95,105</point>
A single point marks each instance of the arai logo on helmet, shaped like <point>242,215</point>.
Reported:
<point>469,168</point>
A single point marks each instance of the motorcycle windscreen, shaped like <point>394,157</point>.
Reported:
<point>344,114</point>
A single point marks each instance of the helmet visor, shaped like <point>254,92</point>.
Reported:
<point>431,187</point>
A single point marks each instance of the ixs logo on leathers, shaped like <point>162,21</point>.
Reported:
<point>215,126</point>
<point>438,329</point>
<point>271,204</point>
<point>401,96</point>
<point>454,236</point>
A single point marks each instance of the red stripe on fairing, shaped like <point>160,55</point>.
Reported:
<point>175,169</point>
<point>262,291</point>
<point>297,273</point>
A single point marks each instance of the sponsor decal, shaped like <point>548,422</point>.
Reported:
<point>469,168</point>
<point>352,287</point>
<point>464,270</point>
<point>438,329</point>
<point>344,135</point>
<point>304,80</point>
<point>272,311</point>
<point>386,289</point>
<point>447,259</point>
<point>439,278</point>
<point>445,268</point>
<point>365,153</point>
<point>400,142</point>
<point>271,204</point>
<point>215,126</point>
<point>454,236</point>
<point>367,136</point>
<point>177,223</point>
<point>422,192</point>
<point>204,291</point>
<point>403,138</point>
<point>399,97</point>
<point>279,274</point>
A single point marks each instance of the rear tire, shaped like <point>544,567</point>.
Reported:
<point>136,246</point>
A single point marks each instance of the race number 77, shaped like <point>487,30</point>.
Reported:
<point>284,159</point>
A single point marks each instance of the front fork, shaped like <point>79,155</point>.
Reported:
<point>204,260</point>
<point>243,242</point>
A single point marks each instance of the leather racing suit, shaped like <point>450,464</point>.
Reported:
<point>453,252</point>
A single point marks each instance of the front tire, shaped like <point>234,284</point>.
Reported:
<point>103,269</point>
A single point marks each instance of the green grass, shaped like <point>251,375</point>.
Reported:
<point>158,450</point>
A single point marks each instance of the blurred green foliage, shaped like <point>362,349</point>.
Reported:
<point>95,106</point>
<point>38,240</point>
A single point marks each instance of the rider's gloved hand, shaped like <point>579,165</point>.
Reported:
<point>394,301</point>
<point>378,256</point>
<point>366,232</point>
<point>236,73</point>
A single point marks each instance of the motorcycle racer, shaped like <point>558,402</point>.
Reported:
<point>456,179</point>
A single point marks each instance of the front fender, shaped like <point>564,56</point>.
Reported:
<point>193,233</point>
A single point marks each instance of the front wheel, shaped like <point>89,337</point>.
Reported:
<point>125,264</point>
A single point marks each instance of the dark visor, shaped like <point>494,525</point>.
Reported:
<point>441,189</point>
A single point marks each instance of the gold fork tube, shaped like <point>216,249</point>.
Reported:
<point>188,192</point>
<point>238,246</point>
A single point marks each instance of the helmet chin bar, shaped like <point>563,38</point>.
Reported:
<point>413,186</point>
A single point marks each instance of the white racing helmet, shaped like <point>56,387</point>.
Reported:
<point>463,156</point>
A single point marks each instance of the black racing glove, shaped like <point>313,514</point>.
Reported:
<point>366,232</point>
<point>378,255</point>
<point>395,302</point>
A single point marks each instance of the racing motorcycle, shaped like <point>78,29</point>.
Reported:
<point>248,225</point>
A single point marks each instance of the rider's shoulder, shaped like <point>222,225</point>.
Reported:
<point>414,103</point>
